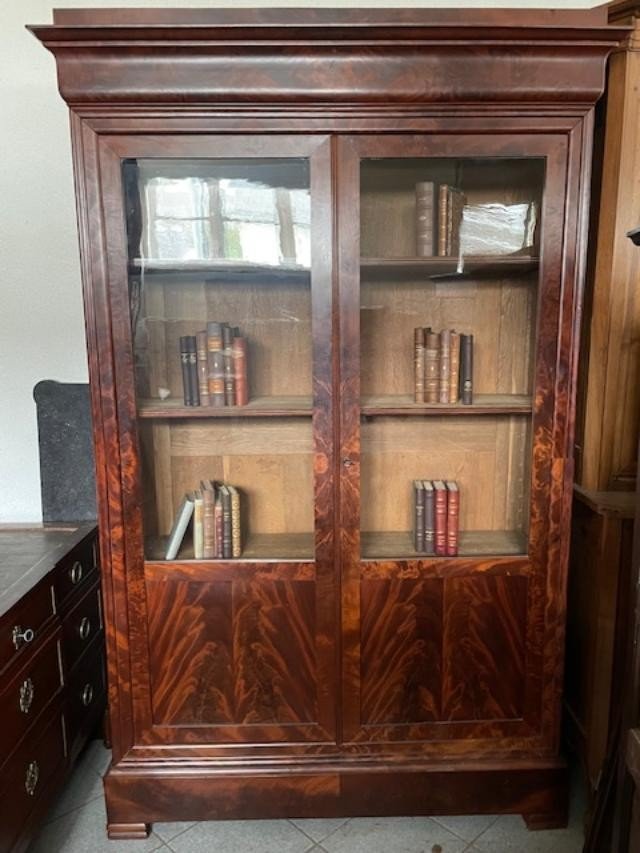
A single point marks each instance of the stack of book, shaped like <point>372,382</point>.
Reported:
<point>438,218</point>
<point>215,512</point>
<point>443,366</point>
<point>436,513</point>
<point>214,367</point>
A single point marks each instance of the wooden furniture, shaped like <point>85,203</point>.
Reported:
<point>51,667</point>
<point>260,168</point>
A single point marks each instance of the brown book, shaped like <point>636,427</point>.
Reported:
<point>445,366</point>
<point>203,367</point>
<point>236,530</point>
<point>457,202</point>
<point>208,520</point>
<point>440,513</point>
<point>216,364</point>
<point>425,218</point>
<point>454,368</point>
<point>219,525</point>
<point>418,516</point>
<point>227,546</point>
<point>194,391</point>
<point>466,369</point>
<point>239,353</point>
<point>198,525</point>
<point>229,378</point>
<point>453,517</point>
<point>429,517</point>
<point>443,207</point>
<point>431,366</point>
<point>184,363</point>
<point>418,357</point>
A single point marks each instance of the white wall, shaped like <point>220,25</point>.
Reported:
<point>41,325</point>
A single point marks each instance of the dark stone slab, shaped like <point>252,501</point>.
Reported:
<point>66,451</point>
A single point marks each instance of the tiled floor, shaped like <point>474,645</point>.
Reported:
<point>76,824</point>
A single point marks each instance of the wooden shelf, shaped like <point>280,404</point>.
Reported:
<point>258,547</point>
<point>474,266</point>
<point>259,407</point>
<point>223,269</point>
<point>483,404</point>
<point>473,543</point>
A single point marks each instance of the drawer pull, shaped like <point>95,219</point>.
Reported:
<point>31,778</point>
<point>22,636</point>
<point>75,572</point>
<point>85,627</point>
<point>27,691</point>
<point>87,694</point>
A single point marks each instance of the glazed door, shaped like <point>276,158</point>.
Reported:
<point>220,272</point>
<point>451,285</point>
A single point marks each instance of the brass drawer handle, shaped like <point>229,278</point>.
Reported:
<point>85,627</point>
<point>75,572</point>
<point>31,778</point>
<point>27,691</point>
<point>22,636</point>
<point>87,695</point>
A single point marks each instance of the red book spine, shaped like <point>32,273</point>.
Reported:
<point>453,518</point>
<point>440,519</point>
<point>241,388</point>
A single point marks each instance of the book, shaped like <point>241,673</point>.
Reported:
<point>431,366</point>
<point>443,208</point>
<point>180,524</point>
<point>466,369</point>
<point>236,531</point>
<point>239,355</point>
<point>203,369</point>
<point>194,391</point>
<point>453,517</point>
<point>418,515</point>
<point>418,357</point>
<point>218,524</point>
<point>215,360</point>
<point>198,525</point>
<point>454,368</point>
<point>227,547</point>
<point>184,363</point>
<point>429,517</point>
<point>454,211</point>
<point>425,218</point>
<point>440,515</point>
<point>229,377</point>
<point>208,520</point>
<point>445,366</point>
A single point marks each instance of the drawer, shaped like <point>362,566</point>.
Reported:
<point>79,568</point>
<point>79,627</point>
<point>28,693</point>
<point>23,624</point>
<point>26,778</point>
<point>86,697</point>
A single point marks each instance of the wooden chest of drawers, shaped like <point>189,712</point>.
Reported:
<point>52,676</point>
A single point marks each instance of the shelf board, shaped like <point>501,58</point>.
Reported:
<point>475,266</point>
<point>398,545</point>
<point>258,547</point>
<point>483,404</point>
<point>259,407</point>
<point>224,268</point>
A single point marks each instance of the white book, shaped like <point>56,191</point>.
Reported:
<point>180,524</point>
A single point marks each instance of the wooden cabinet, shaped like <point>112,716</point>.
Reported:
<point>260,169</point>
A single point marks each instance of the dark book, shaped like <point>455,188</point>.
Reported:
<point>219,524</point>
<point>215,359</point>
<point>239,352</point>
<point>227,531</point>
<point>425,218</point>
<point>443,208</point>
<point>431,366</point>
<point>203,367</point>
<point>429,517</point>
<point>453,517</point>
<point>418,357</point>
<point>229,377</point>
<point>445,366</point>
<point>440,513</point>
<point>194,391</point>
<point>180,524</point>
<point>236,529</point>
<point>454,368</point>
<point>208,520</point>
<point>466,369</point>
<point>184,362</point>
<point>418,516</point>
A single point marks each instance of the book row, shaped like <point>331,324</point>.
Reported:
<point>439,211</point>
<point>443,366</point>
<point>214,511</point>
<point>436,505</point>
<point>214,367</point>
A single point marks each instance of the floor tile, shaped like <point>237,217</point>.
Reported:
<point>319,828</point>
<point>467,827</point>
<point>509,834</point>
<point>84,831</point>
<point>397,834</point>
<point>167,831</point>
<point>248,836</point>
<point>97,756</point>
<point>83,786</point>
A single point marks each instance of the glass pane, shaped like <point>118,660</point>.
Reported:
<point>219,289</point>
<point>448,284</point>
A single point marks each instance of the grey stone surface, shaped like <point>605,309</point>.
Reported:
<point>248,836</point>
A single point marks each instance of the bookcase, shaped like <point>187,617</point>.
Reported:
<point>273,207</point>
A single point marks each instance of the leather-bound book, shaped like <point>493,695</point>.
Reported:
<point>216,364</point>
<point>431,366</point>
<point>453,517</point>
<point>236,530</point>
<point>227,540</point>
<point>457,202</point>
<point>229,378</point>
<point>203,367</point>
<point>198,525</point>
<point>418,516</point>
<point>440,507</point>
<point>184,362</point>
<point>208,520</point>
<point>194,390</point>
<point>429,517</point>
<point>218,513</point>
<point>443,208</point>
<point>241,386</point>
<point>445,366</point>
<point>418,358</point>
<point>425,218</point>
<point>466,369</point>
<point>454,368</point>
